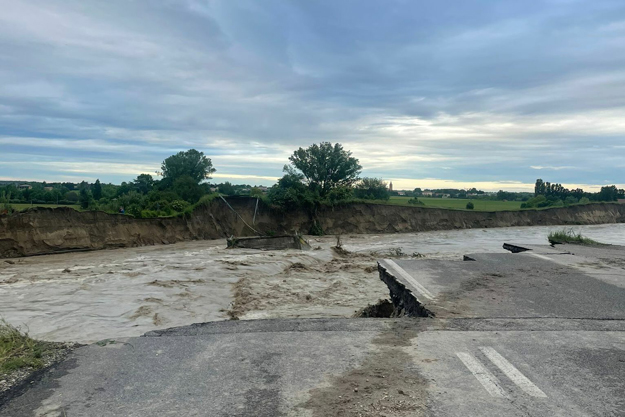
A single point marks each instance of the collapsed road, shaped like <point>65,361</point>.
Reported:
<point>535,333</point>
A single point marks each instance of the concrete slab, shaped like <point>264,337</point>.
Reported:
<point>540,249</point>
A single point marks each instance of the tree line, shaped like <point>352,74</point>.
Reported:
<point>321,174</point>
<point>548,194</point>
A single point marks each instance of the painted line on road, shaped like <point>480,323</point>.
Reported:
<point>411,280</point>
<point>541,256</point>
<point>486,378</point>
<point>513,373</point>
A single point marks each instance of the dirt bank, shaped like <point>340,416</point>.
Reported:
<point>44,231</point>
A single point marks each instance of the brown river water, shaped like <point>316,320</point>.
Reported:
<point>90,296</point>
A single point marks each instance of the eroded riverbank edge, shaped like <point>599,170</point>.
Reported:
<point>41,231</point>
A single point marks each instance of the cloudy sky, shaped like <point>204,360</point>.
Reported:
<point>430,94</point>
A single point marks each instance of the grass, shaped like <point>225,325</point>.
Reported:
<point>569,236</point>
<point>458,203</point>
<point>24,206</point>
<point>18,350</point>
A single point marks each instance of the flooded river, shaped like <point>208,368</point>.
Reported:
<point>90,296</point>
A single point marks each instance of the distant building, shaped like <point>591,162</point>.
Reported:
<point>48,188</point>
<point>426,193</point>
<point>390,186</point>
<point>401,193</point>
<point>25,187</point>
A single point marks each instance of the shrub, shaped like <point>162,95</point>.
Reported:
<point>179,205</point>
<point>569,236</point>
<point>470,205</point>
<point>134,210</point>
<point>339,195</point>
<point>584,200</point>
<point>371,189</point>
<point>316,229</point>
<point>416,202</point>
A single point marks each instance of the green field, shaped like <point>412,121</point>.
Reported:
<point>20,207</point>
<point>459,203</point>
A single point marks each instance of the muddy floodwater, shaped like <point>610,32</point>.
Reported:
<point>90,296</point>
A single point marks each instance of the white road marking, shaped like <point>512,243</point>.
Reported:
<point>486,378</point>
<point>541,256</point>
<point>411,280</point>
<point>513,373</point>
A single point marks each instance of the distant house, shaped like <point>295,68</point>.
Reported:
<point>446,196</point>
<point>427,193</point>
<point>401,193</point>
<point>25,187</point>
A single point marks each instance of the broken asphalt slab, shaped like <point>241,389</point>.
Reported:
<point>525,284</point>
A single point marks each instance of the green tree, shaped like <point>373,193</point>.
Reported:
<point>97,190</point>
<point>325,167</point>
<point>290,192</point>
<point>187,188</point>
<point>608,193</point>
<point>470,205</point>
<point>372,189</point>
<point>226,188</point>
<point>85,198</point>
<point>144,183</point>
<point>189,163</point>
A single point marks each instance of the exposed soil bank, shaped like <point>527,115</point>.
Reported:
<point>44,231</point>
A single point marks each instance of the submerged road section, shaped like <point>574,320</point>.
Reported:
<point>540,332</point>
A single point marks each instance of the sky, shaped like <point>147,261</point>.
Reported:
<point>492,94</point>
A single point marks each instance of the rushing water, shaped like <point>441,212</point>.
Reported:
<point>90,296</point>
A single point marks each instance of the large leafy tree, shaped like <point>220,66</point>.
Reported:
<point>325,166</point>
<point>189,163</point>
<point>372,189</point>
<point>144,183</point>
<point>97,190</point>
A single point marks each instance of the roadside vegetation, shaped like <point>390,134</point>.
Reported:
<point>18,350</point>
<point>323,174</point>
<point>569,236</point>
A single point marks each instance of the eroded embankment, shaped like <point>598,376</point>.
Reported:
<point>42,230</point>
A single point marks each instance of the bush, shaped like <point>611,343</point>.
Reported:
<point>416,202</point>
<point>149,214</point>
<point>290,193</point>
<point>372,189</point>
<point>470,205</point>
<point>584,200</point>
<point>316,229</point>
<point>134,210</point>
<point>339,195</point>
<point>179,205</point>
<point>569,236</point>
